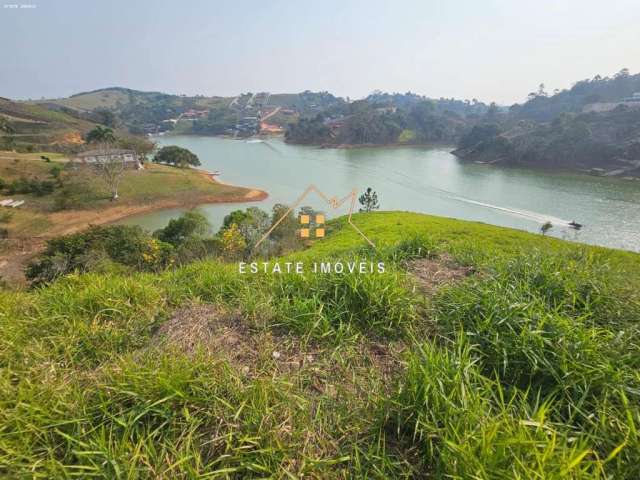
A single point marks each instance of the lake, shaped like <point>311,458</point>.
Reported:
<point>428,180</point>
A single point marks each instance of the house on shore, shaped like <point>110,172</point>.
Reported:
<point>99,157</point>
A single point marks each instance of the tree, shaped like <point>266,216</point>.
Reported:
<point>5,127</point>
<point>369,200</point>
<point>105,117</point>
<point>252,224</point>
<point>478,134</point>
<point>100,134</point>
<point>546,226</point>
<point>55,171</point>
<point>9,142</point>
<point>287,222</point>
<point>623,73</point>
<point>541,91</point>
<point>492,111</point>
<point>191,224</point>
<point>177,156</point>
<point>233,244</point>
<point>142,146</point>
<point>110,167</point>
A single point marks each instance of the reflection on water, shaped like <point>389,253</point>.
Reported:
<point>428,180</point>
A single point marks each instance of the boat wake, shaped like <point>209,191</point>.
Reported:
<point>535,216</point>
<point>409,182</point>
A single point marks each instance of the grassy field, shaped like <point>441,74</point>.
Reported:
<point>480,352</point>
<point>37,127</point>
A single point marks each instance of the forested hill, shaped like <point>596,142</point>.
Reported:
<point>383,118</point>
<point>593,126</point>
<point>592,94</point>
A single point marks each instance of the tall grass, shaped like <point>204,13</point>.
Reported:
<point>551,334</point>
<point>527,369</point>
<point>469,426</point>
<point>344,305</point>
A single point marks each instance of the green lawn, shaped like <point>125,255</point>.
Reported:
<point>525,366</point>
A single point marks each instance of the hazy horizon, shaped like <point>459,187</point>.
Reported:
<point>495,51</point>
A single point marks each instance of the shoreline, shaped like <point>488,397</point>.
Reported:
<point>120,212</point>
<point>578,170</point>
<point>350,146</point>
<point>19,251</point>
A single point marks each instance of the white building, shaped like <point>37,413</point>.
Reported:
<point>96,157</point>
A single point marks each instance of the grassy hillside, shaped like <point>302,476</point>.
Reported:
<point>149,112</point>
<point>117,97</point>
<point>481,352</point>
<point>37,127</point>
<point>88,199</point>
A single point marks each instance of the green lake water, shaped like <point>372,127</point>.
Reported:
<point>427,180</point>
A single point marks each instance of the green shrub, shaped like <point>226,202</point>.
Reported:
<point>33,186</point>
<point>82,252</point>
<point>192,224</point>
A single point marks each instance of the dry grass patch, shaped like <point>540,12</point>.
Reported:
<point>432,274</point>
<point>210,328</point>
<point>257,352</point>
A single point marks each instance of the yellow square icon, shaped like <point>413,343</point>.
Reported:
<point>304,219</point>
<point>319,232</point>
<point>304,232</point>
<point>320,219</point>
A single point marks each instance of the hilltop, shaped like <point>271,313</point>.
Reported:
<point>479,349</point>
<point>156,112</point>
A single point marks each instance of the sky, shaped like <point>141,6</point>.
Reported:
<point>492,50</point>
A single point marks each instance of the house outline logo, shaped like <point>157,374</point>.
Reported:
<point>333,202</point>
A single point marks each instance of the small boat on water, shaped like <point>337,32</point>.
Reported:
<point>575,225</point>
<point>7,202</point>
